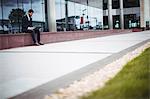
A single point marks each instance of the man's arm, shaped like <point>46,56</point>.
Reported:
<point>24,23</point>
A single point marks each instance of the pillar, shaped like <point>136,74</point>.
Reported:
<point>51,13</point>
<point>142,23</point>
<point>121,15</point>
<point>147,13</point>
<point>110,19</point>
<point>66,14</point>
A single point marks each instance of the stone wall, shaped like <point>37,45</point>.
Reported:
<point>24,39</point>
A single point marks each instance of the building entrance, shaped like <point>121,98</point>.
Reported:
<point>131,21</point>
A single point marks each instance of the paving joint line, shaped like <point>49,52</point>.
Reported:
<point>56,52</point>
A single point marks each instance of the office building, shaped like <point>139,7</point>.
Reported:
<point>72,15</point>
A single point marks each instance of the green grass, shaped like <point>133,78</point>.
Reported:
<point>132,82</point>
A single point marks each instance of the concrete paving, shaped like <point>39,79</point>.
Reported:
<point>22,69</point>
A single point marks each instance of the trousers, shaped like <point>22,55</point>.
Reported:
<point>35,35</point>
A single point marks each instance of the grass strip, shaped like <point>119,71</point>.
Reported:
<point>132,82</point>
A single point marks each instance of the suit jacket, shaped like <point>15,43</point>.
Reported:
<point>26,23</point>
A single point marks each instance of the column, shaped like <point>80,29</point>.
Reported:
<point>110,19</point>
<point>66,14</point>
<point>147,13</point>
<point>142,23</point>
<point>51,13</point>
<point>121,15</point>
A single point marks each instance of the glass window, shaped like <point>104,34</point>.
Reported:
<point>60,14</point>
<point>1,17</point>
<point>105,5</point>
<point>12,12</point>
<point>115,4</point>
<point>10,19</point>
<point>131,3</point>
<point>38,7</point>
<point>82,15</point>
<point>39,13</point>
<point>26,5</point>
<point>78,15</point>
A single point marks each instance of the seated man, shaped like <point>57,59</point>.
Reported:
<point>28,28</point>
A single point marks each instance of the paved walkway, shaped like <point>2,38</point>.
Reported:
<point>22,69</point>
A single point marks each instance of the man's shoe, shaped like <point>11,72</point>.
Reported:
<point>41,43</point>
<point>36,44</point>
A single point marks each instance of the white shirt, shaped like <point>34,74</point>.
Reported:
<point>30,28</point>
<point>28,17</point>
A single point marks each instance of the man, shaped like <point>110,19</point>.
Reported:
<point>28,28</point>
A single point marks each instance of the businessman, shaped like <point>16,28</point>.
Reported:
<point>27,27</point>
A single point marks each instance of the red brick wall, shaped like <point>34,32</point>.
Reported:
<point>0,43</point>
<point>19,40</point>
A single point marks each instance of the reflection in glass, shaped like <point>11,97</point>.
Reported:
<point>10,15</point>
<point>83,15</point>
<point>1,17</point>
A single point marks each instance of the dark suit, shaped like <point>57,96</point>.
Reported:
<point>28,23</point>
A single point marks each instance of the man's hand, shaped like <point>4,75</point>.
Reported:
<point>31,28</point>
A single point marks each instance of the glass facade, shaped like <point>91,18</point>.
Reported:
<point>11,12</point>
<point>80,16</point>
<point>131,3</point>
<point>126,4</point>
<point>131,16</point>
<point>71,15</point>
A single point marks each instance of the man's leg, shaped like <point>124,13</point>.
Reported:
<point>33,36</point>
<point>38,36</point>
